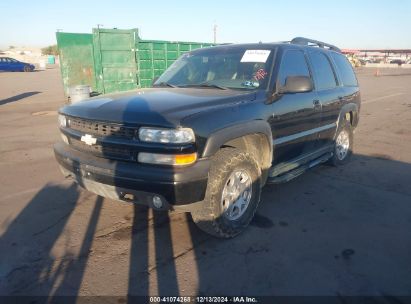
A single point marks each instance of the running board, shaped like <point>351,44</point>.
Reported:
<point>285,177</point>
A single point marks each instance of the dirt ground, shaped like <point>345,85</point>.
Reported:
<point>332,231</point>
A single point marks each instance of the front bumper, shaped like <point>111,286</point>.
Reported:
<point>135,182</point>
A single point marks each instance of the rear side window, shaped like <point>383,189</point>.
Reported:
<point>293,64</point>
<point>323,71</point>
<point>346,71</point>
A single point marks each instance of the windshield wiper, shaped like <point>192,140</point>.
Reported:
<point>165,84</point>
<point>206,85</point>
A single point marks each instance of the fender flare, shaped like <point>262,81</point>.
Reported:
<point>350,107</point>
<point>222,136</point>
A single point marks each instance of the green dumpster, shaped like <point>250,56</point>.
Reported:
<point>114,60</point>
<point>51,59</point>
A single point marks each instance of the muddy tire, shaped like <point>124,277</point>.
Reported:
<point>232,196</point>
<point>343,144</point>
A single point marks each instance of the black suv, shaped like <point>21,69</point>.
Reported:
<point>218,124</point>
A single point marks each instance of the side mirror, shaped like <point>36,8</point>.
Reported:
<point>297,84</point>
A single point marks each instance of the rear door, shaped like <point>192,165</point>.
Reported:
<point>116,62</point>
<point>295,116</point>
<point>329,94</point>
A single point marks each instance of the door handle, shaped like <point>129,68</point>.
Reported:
<point>316,103</point>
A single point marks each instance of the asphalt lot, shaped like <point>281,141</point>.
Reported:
<point>332,231</point>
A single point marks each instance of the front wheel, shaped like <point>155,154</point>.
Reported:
<point>27,68</point>
<point>232,196</point>
<point>343,144</point>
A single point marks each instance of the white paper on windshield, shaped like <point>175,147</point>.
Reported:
<point>255,56</point>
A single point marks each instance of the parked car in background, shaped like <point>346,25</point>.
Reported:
<point>13,65</point>
<point>397,61</point>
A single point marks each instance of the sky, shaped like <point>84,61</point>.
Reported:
<point>347,24</point>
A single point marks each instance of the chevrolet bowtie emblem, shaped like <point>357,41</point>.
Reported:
<point>88,139</point>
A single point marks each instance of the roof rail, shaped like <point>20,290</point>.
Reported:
<point>310,42</point>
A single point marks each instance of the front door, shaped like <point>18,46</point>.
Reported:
<point>295,116</point>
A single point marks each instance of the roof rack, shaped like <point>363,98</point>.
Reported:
<point>311,42</point>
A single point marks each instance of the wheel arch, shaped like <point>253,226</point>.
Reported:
<point>254,137</point>
<point>352,110</point>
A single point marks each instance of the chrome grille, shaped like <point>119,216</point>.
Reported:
<point>101,128</point>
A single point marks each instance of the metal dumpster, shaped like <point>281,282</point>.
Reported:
<point>76,60</point>
<point>113,60</point>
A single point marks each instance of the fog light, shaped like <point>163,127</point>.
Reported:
<point>157,202</point>
<point>167,159</point>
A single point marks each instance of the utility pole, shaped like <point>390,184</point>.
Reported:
<point>215,32</point>
<point>98,25</point>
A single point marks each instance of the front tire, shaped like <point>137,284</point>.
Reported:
<point>343,144</point>
<point>27,68</point>
<point>232,196</point>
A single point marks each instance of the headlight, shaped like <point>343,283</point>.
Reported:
<point>174,136</point>
<point>62,121</point>
<point>167,159</point>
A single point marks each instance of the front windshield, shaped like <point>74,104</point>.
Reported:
<point>222,67</point>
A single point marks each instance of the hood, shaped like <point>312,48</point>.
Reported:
<point>155,106</point>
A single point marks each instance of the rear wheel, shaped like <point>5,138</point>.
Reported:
<point>233,194</point>
<point>343,144</point>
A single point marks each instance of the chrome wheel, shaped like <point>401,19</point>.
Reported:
<point>342,145</point>
<point>236,195</point>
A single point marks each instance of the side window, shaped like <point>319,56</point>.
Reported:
<point>323,71</point>
<point>292,64</point>
<point>346,71</point>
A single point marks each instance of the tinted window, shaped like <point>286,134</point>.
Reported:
<point>323,71</point>
<point>346,71</point>
<point>293,64</point>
